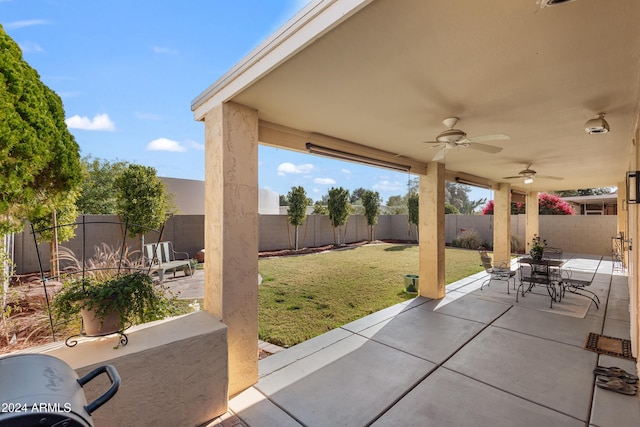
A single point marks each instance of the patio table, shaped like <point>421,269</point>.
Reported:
<point>541,274</point>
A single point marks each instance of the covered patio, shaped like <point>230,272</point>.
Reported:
<point>374,81</point>
<point>461,360</point>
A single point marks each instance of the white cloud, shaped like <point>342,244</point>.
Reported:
<point>31,47</point>
<point>99,122</point>
<point>346,171</point>
<point>26,23</point>
<point>285,168</point>
<point>386,185</point>
<point>164,144</point>
<point>164,50</point>
<point>325,181</point>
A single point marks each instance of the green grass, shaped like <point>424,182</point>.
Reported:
<point>304,296</point>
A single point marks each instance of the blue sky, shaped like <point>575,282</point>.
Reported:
<point>127,72</point>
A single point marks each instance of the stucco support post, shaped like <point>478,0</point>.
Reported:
<point>231,234</point>
<point>502,225</point>
<point>533,219</point>
<point>432,232</point>
<point>622,209</point>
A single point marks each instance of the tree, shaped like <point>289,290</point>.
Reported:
<point>548,204</point>
<point>413,206</point>
<point>283,200</point>
<point>339,209</point>
<point>371,202</point>
<point>297,212</point>
<point>319,208</point>
<point>585,192</point>
<point>56,217</point>
<point>141,199</point>
<point>98,187</point>
<point>39,158</point>
<point>450,209</point>
<point>356,195</point>
<point>397,205</point>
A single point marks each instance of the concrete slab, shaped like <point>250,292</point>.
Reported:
<point>300,351</point>
<point>385,314</point>
<point>446,398</point>
<point>349,383</point>
<point>608,406</point>
<point>255,409</point>
<point>617,329</point>
<point>556,327</point>
<point>552,374</point>
<point>618,309</point>
<point>431,336</point>
<point>470,308</point>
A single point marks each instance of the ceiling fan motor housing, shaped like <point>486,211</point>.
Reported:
<point>451,135</point>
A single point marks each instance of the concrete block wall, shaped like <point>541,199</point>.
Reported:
<point>588,234</point>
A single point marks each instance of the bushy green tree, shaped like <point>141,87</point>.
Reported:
<point>413,205</point>
<point>98,195</point>
<point>141,199</point>
<point>297,212</point>
<point>39,158</point>
<point>339,209</point>
<point>371,202</point>
<point>319,208</point>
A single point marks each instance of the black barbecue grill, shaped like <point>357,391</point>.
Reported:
<point>38,390</point>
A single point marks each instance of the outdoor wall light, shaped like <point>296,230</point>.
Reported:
<point>343,155</point>
<point>633,187</point>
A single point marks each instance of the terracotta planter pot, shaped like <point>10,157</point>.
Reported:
<point>92,326</point>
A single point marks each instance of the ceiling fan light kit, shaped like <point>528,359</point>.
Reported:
<point>549,3</point>
<point>597,125</point>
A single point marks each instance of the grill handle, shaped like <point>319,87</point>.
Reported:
<point>115,384</point>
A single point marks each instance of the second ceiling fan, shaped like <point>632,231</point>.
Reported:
<point>527,175</point>
<point>457,138</point>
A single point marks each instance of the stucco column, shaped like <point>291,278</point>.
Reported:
<point>533,219</point>
<point>502,225</point>
<point>432,232</point>
<point>231,234</point>
<point>622,209</point>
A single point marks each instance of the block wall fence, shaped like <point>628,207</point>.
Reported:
<point>586,234</point>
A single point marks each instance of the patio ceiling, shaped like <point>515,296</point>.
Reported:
<point>386,73</point>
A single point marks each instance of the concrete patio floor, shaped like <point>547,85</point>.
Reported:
<point>459,361</point>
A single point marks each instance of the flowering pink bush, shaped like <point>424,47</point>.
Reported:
<point>548,204</point>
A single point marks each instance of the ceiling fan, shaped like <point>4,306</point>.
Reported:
<point>527,175</point>
<point>457,138</point>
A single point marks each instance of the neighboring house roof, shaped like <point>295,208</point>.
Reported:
<point>600,198</point>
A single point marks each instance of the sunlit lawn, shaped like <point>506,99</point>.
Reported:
<point>305,296</point>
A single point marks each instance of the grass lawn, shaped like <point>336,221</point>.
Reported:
<point>304,296</point>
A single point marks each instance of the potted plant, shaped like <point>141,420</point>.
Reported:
<point>191,268</point>
<point>537,247</point>
<point>110,305</point>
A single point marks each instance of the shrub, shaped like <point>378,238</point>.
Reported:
<point>469,239</point>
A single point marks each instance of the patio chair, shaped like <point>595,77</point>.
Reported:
<point>577,286</point>
<point>501,273</point>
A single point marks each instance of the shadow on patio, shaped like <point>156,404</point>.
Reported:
<point>467,359</point>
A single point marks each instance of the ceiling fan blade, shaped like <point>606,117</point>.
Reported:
<point>484,147</point>
<point>431,142</point>
<point>512,177</point>
<point>557,178</point>
<point>439,155</point>
<point>485,138</point>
